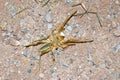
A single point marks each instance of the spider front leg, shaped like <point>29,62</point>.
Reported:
<point>61,27</point>
<point>53,54</point>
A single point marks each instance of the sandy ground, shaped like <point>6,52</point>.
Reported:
<point>23,21</point>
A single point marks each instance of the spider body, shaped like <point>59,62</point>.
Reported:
<point>56,40</point>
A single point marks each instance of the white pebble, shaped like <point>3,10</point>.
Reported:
<point>68,1</point>
<point>117,2</point>
<point>117,33</point>
<point>41,75</point>
<point>48,17</point>
<point>69,28</point>
<point>49,25</point>
<point>116,48</point>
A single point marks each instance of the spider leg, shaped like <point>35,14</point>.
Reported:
<point>80,40</point>
<point>61,27</point>
<point>41,54</point>
<point>86,12</point>
<point>66,45</point>
<point>39,62</point>
<point>37,42</point>
<point>53,55</point>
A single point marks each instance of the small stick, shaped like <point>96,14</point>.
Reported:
<point>20,11</point>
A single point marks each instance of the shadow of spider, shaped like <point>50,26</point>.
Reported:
<point>86,12</point>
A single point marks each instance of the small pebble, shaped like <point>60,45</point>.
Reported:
<point>24,42</point>
<point>23,22</point>
<point>57,52</point>
<point>2,78</point>
<point>118,27</point>
<point>15,62</point>
<point>6,3</point>
<point>6,34</point>
<point>55,68</point>
<point>11,8</point>
<point>25,30</point>
<point>41,75</point>
<point>24,53</point>
<point>29,70</point>
<point>14,42</point>
<point>69,28</point>
<point>80,67</point>
<point>50,25</point>
<point>74,34</point>
<point>117,33</point>
<point>89,55</point>
<point>68,1</point>
<point>52,70</point>
<point>19,72</point>
<point>39,14</point>
<point>116,1</point>
<point>116,48</point>
<point>65,64</point>
<point>35,57</point>
<point>48,17</point>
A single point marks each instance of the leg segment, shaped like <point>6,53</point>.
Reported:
<point>61,27</point>
<point>66,45</point>
<point>41,54</point>
<point>81,40</point>
<point>53,53</point>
